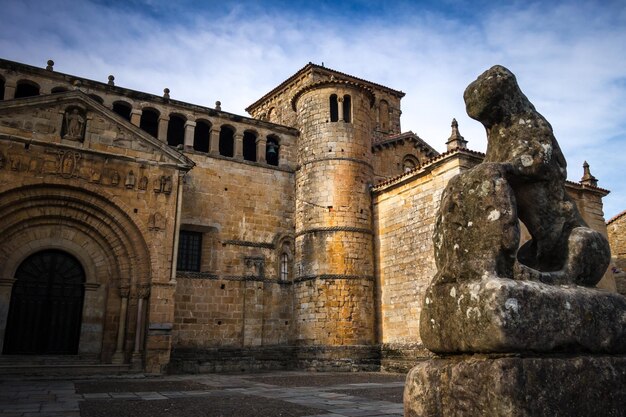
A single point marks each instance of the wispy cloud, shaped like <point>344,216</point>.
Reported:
<point>566,56</point>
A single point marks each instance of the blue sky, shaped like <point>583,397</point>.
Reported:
<point>568,57</point>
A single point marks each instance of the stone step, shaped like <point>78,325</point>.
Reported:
<point>59,365</point>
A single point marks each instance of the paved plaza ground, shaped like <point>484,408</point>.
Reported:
<point>285,394</point>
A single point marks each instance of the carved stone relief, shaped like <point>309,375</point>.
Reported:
<point>68,163</point>
<point>255,266</point>
<point>15,162</point>
<point>115,178</point>
<point>143,183</point>
<point>130,180</point>
<point>74,124</point>
<point>156,222</point>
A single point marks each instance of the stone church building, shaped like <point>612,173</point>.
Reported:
<point>160,236</point>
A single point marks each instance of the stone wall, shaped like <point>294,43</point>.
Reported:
<point>617,238</point>
<point>404,215</point>
<point>245,212</point>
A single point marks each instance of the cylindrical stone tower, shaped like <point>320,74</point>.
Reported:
<point>334,285</point>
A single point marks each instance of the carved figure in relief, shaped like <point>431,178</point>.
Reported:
<point>96,176</point>
<point>74,123</point>
<point>69,163</point>
<point>115,178</point>
<point>130,180</point>
<point>143,183</point>
<point>156,222</point>
<point>167,184</point>
<point>15,163</point>
<point>156,184</point>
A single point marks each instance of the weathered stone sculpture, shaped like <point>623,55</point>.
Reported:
<point>514,305</point>
<point>488,296</point>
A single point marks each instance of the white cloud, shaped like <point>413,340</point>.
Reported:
<point>566,57</point>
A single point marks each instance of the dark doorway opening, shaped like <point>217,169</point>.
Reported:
<point>46,305</point>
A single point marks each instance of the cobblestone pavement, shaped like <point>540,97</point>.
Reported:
<point>284,394</point>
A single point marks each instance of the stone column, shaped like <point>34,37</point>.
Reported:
<point>214,142</point>
<point>238,146</point>
<point>261,145</point>
<point>143,292</point>
<point>118,356</point>
<point>135,116</point>
<point>6,287</point>
<point>340,108</point>
<point>190,128</point>
<point>162,134</point>
<point>9,90</point>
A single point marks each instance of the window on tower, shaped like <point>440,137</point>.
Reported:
<point>334,108</point>
<point>347,109</point>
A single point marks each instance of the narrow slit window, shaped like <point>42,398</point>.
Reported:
<point>284,267</point>
<point>347,109</point>
<point>334,108</point>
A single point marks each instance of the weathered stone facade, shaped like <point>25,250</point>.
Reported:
<point>617,239</point>
<point>300,237</point>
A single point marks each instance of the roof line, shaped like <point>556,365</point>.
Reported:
<point>309,66</point>
<point>140,95</point>
<point>617,216</point>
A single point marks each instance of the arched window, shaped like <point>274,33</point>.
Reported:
<point>383,115</point>
<point>284,259</point>
<point>347,108</point>
<point>334,108</point>
<point>284,266</point>
<point>176,130</point>
<point>249,146</point>
<point>201,136</point>
<point>123,109</point>
<point>227,139</point>
<point>26,88</point>
<point>272,149</point>
<point>409,163</point>
<point>1,88</point>
<point>58,90</point>
<point>97,98</point>
<point>150,121</point>
<point>271,115</point>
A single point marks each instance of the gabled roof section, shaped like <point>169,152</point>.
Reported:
<point>616,217</point>
<point>168,155</point>
<point>384,142</point>
<point>314,68</point>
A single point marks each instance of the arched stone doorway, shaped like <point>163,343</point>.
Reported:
<point>94,228</point>
<point>46,305</point>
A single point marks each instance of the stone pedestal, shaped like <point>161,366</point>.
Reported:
<point>490,386</point>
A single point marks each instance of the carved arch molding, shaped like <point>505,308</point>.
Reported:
<point>98,232</point>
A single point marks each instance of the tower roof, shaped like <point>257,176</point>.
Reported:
<point>324,71</point>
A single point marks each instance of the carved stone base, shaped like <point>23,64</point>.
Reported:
<point>136,361</point>
<point>503,315</point>
<point>118,358</point>
<point>581,385</point>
